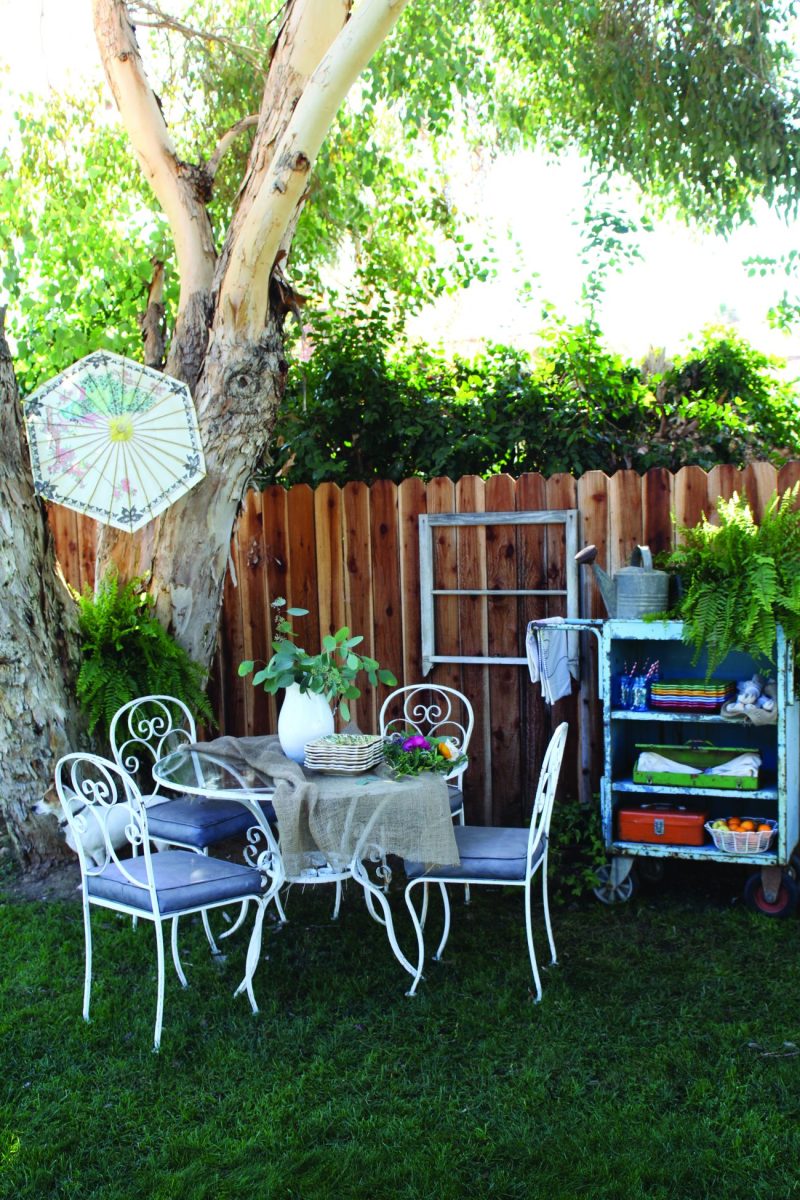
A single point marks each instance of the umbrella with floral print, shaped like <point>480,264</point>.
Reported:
<point>114,440</point>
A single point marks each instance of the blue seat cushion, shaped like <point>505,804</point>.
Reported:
<point>198,820</point>
<point>183,880</point>
<point>486,852</point>
<point>456,797</point>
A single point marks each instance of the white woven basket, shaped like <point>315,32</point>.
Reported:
<point>733,841</point>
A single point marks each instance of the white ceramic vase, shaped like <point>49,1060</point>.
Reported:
<point>303,717</point>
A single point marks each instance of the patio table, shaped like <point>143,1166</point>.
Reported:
<point>350,820</point>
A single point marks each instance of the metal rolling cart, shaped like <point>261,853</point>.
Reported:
<point>773,886</point>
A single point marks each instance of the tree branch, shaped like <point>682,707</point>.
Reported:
<point>245,286</point>
<point>172,181</point>
<point>165,21</point>
<point>225,142</point>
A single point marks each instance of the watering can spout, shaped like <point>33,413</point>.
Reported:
<point>634,590</point>
<point>608,588</point>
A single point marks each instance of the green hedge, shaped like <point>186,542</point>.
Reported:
<point>369,405</point>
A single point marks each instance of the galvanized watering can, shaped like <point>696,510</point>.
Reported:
<point>634,590</point>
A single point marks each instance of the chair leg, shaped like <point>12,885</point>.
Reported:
<point>461,820</point>
<point>529,932</point>
<point>160,995</point>
<point>446,930</point>
<point>546,906</point>
<point>423,916</point>
<point>175,955</point>
<point>420,939</point>
<point>253,955</point>
<point>87,970</point>
<point>204,917</point>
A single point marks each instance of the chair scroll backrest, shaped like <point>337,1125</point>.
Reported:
<point>546,794</point>
<point>105,812</point>
<point>433,710</point>
<point>144,730</point>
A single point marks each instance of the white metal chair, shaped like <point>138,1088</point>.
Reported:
<point>142,732</point>
<point>98,797</point>
<point>433,710</point>
<point>498,857</point>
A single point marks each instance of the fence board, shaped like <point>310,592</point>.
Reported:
<point>722,482</point>
<point>690,496</point>
<point>411,501</point>
<point>625,511</point>
<point>592,501</point>
<point>759,481</point>
<point>387,592</point>
<point>532,555</point>
<point>441,496</point>
<point>788,476</point>
<point>249,560</point>
<point>473,639</point>
<point>503,634</point>
<point>358,592</point>
<point>292,550</point>
<point>561,492</point>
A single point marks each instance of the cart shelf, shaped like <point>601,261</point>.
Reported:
<point>709,853</point>
<point>737,795</point>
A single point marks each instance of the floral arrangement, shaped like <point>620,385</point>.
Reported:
<point>410,754</point>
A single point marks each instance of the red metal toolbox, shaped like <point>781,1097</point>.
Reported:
<point>672,824</point>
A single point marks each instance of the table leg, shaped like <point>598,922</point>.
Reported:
<point>373,892</point>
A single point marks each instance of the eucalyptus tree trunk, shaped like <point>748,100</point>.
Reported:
<point>228,339</point>
<point>39,718</point>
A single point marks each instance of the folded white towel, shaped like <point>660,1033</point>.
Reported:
<point>743,764</point>
<point>547,652</point>
<point>648,760</point>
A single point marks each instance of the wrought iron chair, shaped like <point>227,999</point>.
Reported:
<point>98,796</point>
<point>498,857</point>
<point>142,732</point>
<point>433,710</point>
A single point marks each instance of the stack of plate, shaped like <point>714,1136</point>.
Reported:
<point>344,753</point>
<point>695,695</point>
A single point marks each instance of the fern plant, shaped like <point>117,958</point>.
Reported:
<point>741,579</point>
<point>127,653</point>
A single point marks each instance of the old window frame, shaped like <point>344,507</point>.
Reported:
<point>568,517</point>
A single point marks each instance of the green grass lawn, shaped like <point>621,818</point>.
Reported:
<point>663,1062</point>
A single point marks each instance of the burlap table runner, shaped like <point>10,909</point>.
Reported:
<point>336,815</point>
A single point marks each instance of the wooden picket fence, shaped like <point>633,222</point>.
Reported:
<point>350,556</point>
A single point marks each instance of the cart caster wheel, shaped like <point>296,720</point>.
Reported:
<point>613,890</point>
<point>651,870</point>
<point>784,903</point>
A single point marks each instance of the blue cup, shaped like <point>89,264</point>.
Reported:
<point>640,689</point>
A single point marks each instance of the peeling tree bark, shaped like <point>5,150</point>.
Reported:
<point>39,719</point>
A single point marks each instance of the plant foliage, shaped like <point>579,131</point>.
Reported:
<point>331,673</point>
<point>368,405</point>
<point>741,579</point>
<point>127,653</point>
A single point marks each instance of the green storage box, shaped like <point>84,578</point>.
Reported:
<point>702,756</point>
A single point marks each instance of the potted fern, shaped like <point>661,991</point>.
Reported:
<point>312,681</point>
<point>740,578</point>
